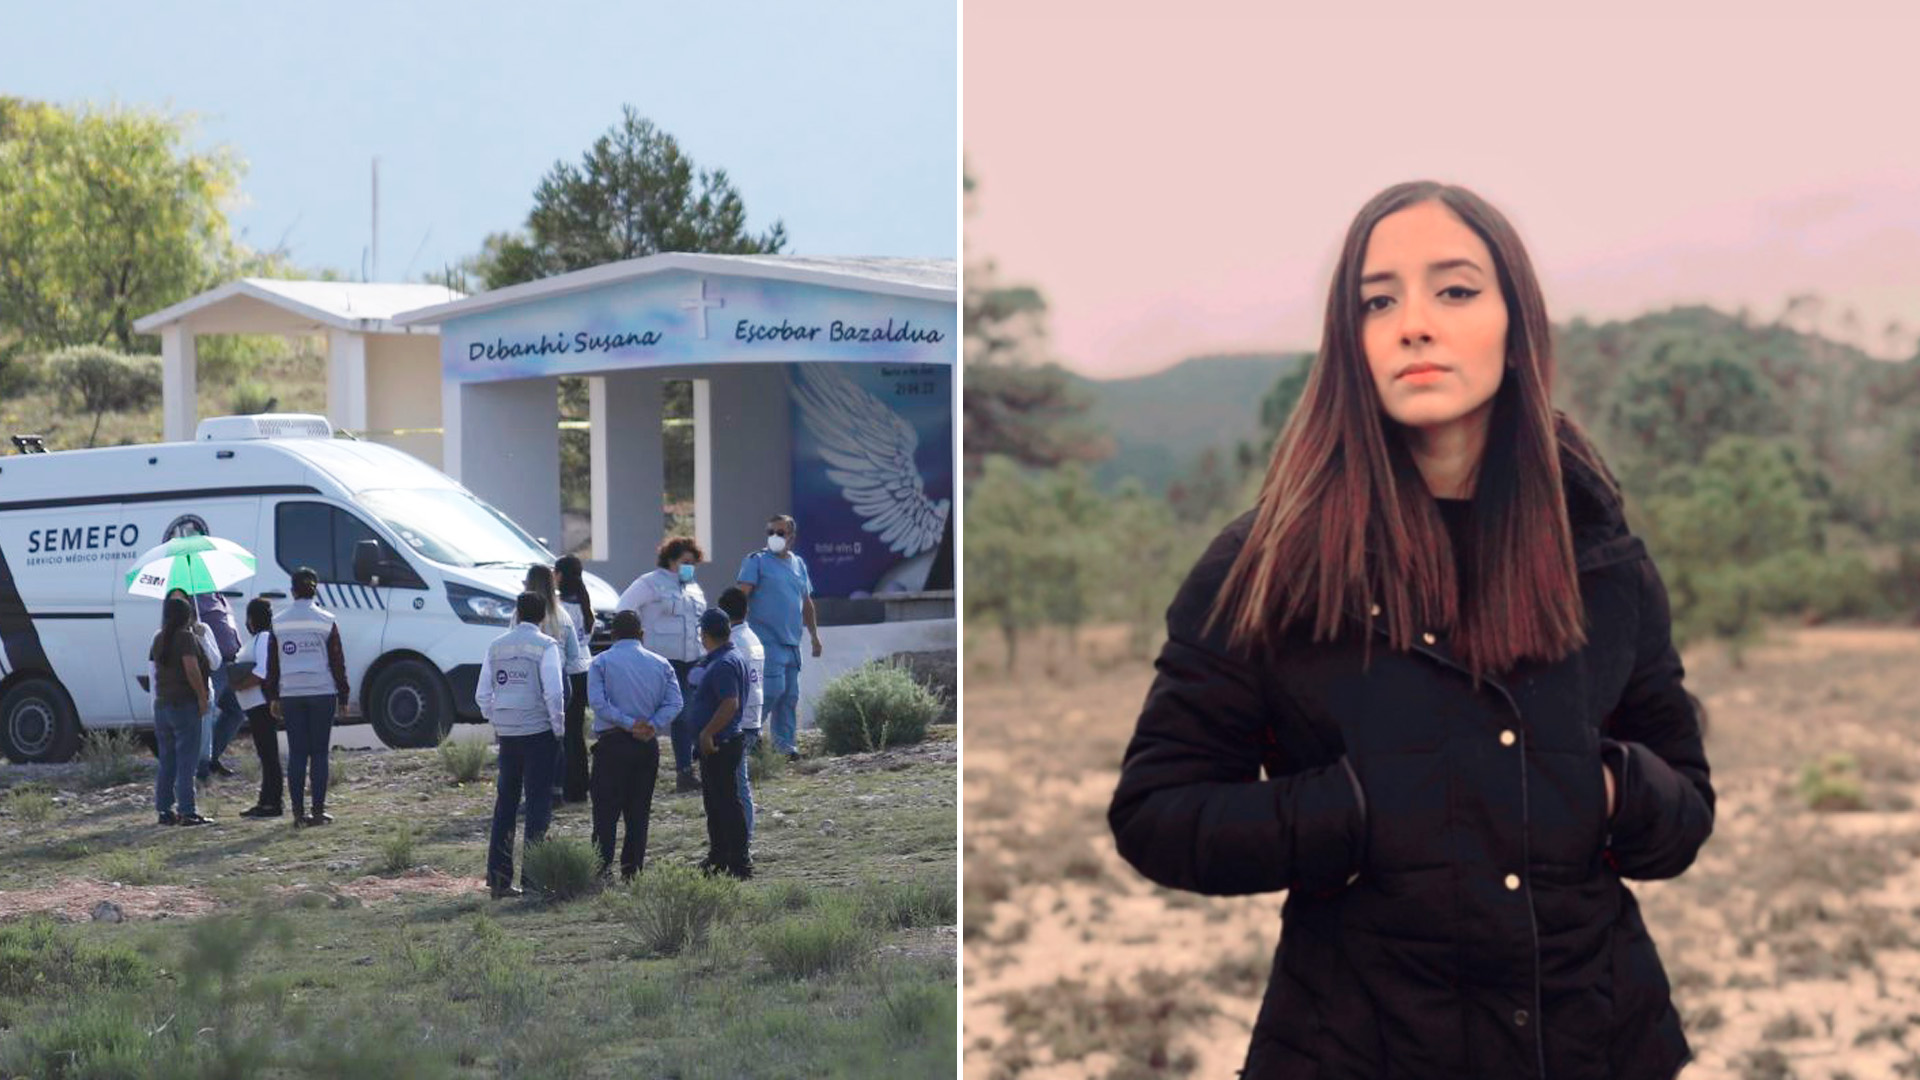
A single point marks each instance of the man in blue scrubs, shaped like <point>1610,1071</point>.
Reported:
<point>780,604</point>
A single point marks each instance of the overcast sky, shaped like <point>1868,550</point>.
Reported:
<point>838,118</point>
<point>1179,184</point>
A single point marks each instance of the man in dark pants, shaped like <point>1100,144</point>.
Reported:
<point>719,683</point>
<point>635,694</point>
<point>522,694</point>
<point>306,689</point>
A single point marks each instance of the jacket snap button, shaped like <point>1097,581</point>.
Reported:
<point>1513,882</point>
<point>1506,738</point>
<point>1520,1018</point>
<point>1428,638</point>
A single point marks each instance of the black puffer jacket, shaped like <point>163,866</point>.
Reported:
<point>1455,902</point>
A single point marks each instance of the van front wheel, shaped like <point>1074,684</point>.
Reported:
<point>410,705</point>
<point>37,723</point>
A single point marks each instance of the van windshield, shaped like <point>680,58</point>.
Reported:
<point>452,527</point>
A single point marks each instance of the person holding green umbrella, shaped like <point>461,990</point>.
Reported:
<point>195,568</point>
<point>181,693</point>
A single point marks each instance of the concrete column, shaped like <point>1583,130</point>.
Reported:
<point>749,464</point>
<point>703,508</point>
<point>503,443</point>
<point>629,473</point>
<point>179,383</point>
<point>347,380</point>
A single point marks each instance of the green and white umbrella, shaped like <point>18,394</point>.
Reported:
<point>198,564</point>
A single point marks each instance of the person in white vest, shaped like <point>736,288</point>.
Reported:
<point>522,694</point>
<point>670,604</point>
<point>734,603</point>
<point>306,685</point>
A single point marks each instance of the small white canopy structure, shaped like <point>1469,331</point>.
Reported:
<point>365,345</point>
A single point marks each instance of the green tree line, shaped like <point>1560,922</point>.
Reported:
<point>1774,473</point>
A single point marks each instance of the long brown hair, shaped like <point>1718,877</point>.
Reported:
<point>1345,520</point>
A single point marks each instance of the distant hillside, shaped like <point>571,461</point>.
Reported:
<point>1844,403</point>
<point>1161,423</point>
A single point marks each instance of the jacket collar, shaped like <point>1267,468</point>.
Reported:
<point>1597,518</point>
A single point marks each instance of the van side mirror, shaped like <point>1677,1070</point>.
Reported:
<point>366,562</point>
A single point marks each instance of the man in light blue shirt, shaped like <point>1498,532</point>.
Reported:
<point>635,696</point>
<point>780,602</point>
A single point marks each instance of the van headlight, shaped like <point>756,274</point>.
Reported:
<point>475,606</point>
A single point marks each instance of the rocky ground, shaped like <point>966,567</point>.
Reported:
<point>1793,943</point>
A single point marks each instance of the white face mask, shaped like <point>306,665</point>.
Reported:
<point>776,544</point>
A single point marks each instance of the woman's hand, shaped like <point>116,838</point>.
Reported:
<point>274,709</point>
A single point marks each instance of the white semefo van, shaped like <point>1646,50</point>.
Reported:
<point>420,573</point>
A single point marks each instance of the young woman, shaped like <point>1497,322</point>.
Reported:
<point>1453,661</point>
<point>572,588</point>
<point>559,626</point>
<point>182,693</point>
<point>251,689</point>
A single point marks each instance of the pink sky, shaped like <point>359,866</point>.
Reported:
<point>1179,184</point>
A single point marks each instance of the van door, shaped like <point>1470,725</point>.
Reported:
<point>137,618</point>
<point>64,562</point>
<point>320,533</point>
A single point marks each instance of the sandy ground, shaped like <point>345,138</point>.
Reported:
<point>1793,943</point>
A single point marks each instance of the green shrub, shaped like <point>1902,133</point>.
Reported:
<point>648,998</point>
<point>673,908</point>
<point>903,905</point>
<point>396,851</point>
<point>463,761</point>
<point>784,896</point>
<point>92,380</point>
<point>562,867</point>
<point>214,1020</point>
<point>1833,783</point>
<point>766,763</point>
<point>41,959</point>
<point>1807,583</point>
<point>823,940</point>
<point>875,706</point>
<point>918,1010</point>
<point>30,803</point>
<point>99,1038</point>
<point>338,775</point>
<point>107,758</point>
<point>494,969</point>
<point>248,398</point>
<point>137,866</point>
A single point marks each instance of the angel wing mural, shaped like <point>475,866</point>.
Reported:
<point>869,451</point>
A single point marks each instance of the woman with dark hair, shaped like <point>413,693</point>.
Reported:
<point>1452,660</point>
<point>558,625</point>
<point>670,602</point>
<point>571,585</point>
<point>181,695</point>
<point>251,689</point>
